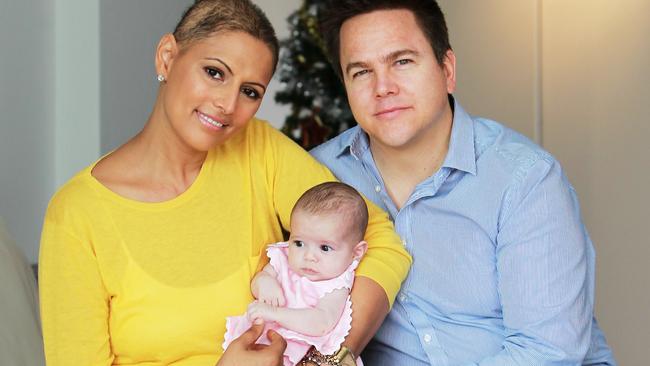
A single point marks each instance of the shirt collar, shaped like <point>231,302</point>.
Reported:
<point>355,141</point>
<point>461,154</point>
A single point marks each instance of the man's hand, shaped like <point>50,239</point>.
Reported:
<point>270,292</point>
<point>244,351</point>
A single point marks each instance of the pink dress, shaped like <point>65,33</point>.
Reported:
<point>299,292</point>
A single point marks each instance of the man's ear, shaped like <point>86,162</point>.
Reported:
<point>449,68</point>
<point>360,249</point>
<point>166,52</point>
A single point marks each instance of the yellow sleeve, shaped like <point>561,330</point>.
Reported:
<point>74,303</point>
<point>386,262</point>
<point>294,171</point>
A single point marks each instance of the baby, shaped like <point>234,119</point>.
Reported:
<point>304,292</point>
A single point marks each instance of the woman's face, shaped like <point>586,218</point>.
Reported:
<point>213,86</point>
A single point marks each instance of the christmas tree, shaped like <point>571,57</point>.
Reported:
<point>319,107</point>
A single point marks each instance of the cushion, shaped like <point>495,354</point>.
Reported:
<point>21,342</point>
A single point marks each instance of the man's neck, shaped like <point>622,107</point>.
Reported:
<point>405,167</point>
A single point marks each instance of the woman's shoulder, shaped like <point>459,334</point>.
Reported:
<point>74,197</point>
<point>261,132</point>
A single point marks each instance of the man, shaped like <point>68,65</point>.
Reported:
<point>503,270</point>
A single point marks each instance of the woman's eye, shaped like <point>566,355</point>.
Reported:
<point>214,73</point>
<point>325,248</point>
<point>251,93</point>
<point>298,243</point>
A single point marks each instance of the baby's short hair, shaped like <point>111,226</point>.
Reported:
<point>336,197</point>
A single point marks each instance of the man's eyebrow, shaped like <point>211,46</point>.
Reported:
<point>385,59</point>
<point>353,65</point>
<point>399,53</point>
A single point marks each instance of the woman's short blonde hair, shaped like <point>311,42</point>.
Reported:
<point>207,17</point>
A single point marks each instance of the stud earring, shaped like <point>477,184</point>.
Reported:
<point>160,78</point>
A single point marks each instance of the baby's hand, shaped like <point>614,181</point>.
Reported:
<point>270,292</point>
<point>258,312</point>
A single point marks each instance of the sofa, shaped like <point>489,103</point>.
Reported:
<point>21,342</point>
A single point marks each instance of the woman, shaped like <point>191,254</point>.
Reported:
<point>145,252</point>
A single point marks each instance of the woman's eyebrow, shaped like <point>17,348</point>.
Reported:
<point>221,62</point>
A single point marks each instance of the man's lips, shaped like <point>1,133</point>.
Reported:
<point>389,112</point>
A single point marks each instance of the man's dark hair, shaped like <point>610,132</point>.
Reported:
<point>427,13</point>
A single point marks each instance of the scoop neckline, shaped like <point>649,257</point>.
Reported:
<point>173,202</point>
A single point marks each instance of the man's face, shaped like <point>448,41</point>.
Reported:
<point>395,86</point>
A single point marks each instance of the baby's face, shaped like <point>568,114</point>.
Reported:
<point>320,246</point>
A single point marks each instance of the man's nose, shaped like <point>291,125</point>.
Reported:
<point>385,84</point>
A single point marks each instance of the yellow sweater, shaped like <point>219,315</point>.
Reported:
<point>131,283</point>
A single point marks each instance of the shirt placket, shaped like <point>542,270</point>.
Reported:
<point>427,334</point>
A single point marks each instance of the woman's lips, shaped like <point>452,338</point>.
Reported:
<point>210,122</point>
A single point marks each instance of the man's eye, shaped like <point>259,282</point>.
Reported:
<point>359,73</point>
<point>298,243</point>
<point>251,93</point>
<point>214,73</point>
<point>403,62</point>
<point>325,248</point>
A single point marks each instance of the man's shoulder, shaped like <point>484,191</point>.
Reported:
<point>500,145</point>
<point>331,149</point>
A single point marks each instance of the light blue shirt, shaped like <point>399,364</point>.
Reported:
<point>503,267</point>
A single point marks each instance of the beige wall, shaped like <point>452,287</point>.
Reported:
<point>574,75</point>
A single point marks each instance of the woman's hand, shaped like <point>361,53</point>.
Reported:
<point>244,351</point>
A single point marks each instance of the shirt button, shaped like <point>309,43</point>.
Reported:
<point>427,338</point>
<point>402,297</point>
<point>377,188</point>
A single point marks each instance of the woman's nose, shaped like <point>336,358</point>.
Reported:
<point>227,101</point>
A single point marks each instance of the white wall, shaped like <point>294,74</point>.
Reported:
<point>130,31</point>
<point>596,108</point>
<point>26,117</point>
<point>76,79</point>
<point>574,75</point>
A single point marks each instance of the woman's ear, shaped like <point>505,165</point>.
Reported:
<point>360,249</point>
<point>166,52</point>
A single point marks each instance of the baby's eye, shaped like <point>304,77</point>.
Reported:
<point>298,243</point>
<point>325,248</point>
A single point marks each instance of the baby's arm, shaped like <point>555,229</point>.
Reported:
<point>266,288</point>
<point>315,321</point>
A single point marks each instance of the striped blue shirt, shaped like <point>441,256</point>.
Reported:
<point>503,268</point>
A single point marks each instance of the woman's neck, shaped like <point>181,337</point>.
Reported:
<point>153,166</point>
